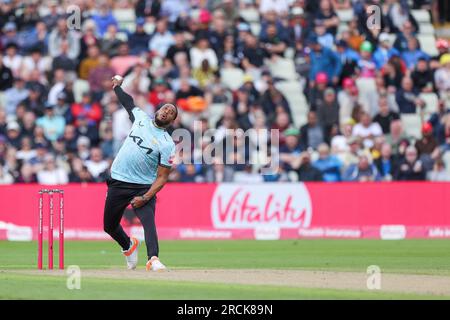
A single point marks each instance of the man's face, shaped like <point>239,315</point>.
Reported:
<point>165,115</point>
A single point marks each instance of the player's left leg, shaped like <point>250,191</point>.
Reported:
<point>146,215</point>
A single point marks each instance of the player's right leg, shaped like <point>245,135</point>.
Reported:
<point>117,200</point>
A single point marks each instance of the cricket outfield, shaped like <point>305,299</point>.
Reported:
<point>247,269</point>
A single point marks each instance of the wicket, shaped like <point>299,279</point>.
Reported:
<point>50,193</point>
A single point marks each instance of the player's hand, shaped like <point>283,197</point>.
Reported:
<point>117,81</point>
<point>138,202</point>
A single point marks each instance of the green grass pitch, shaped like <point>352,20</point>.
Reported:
<point>412,257</point>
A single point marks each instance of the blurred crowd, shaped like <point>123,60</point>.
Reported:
<point>60,121</point>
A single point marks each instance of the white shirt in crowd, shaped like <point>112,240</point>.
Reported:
<point>280,6</point>
<point>56,176</point>
<point>374,129</point>
<point>95,168</point>
<point>197,56</point>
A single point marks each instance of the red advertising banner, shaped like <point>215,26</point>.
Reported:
<point>250,211</point>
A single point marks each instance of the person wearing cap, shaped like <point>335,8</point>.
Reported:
<point>328,112</point>
<point>347,99</point>
<point>442,75</point>
<point>291,149</point>
<point>9,34</point>
<point>384,51</point>
<point>52,124</point>
<point>325,38</point>
<point>366,65</point>
<point>427,146</point>
<point>139,39</point>
<point>323,60</point>
<point>298,27</point>
<point>442,46</point>
<point>13,134</point>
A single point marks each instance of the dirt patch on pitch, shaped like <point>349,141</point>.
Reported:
<point>414,284</point>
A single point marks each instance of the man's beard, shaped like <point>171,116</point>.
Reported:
<point>161,123</point>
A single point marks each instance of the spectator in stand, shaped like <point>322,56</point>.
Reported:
<point>61,35</point>
<point>90,62</point>
<point>439,172</point>
<point>347,99</point>
<point>298,28</point>
<point>329,165</point>
<point>366,66</point>
<point>385,51</point>
<point>306,171</point>
<point>407,31</point>
<point>96,164</point>
<point>385,116</point>
<point>422,76</point>
<point>442,75</point>
<point>407,98</point>
<point>411,167</point>
<point>161,39</point>
<point>27,174</point>
<point>398,15</point>
<point>363,171</point>
<point>51,174</point>
<point>386,163</point>
<point>316,94</point>
<point>367,130</point>
<point>124,60</point>
<point>6,75</point>
<point>179,45</point>
<point>202,51</point>
<point>92,111</point>
<point>323,37</point>
<point>427,147</point>
<point>412,55</point>
<point>442,46</point>
<point>100,77</point>
<point>328,16</point>
<point>348,57</point>
<point>290,151</point>
<point>138,41</point>
<point>88,129</point>
<point>328,113</point>
<point>323,60</point>
<point>13,135</point>
<point>14,95</point>
<point>111,42</point>
<point>12,59</point>
<point>5,176</point>
<point>52,124</point>
<point>438,121</point>
<point>104,18</point>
